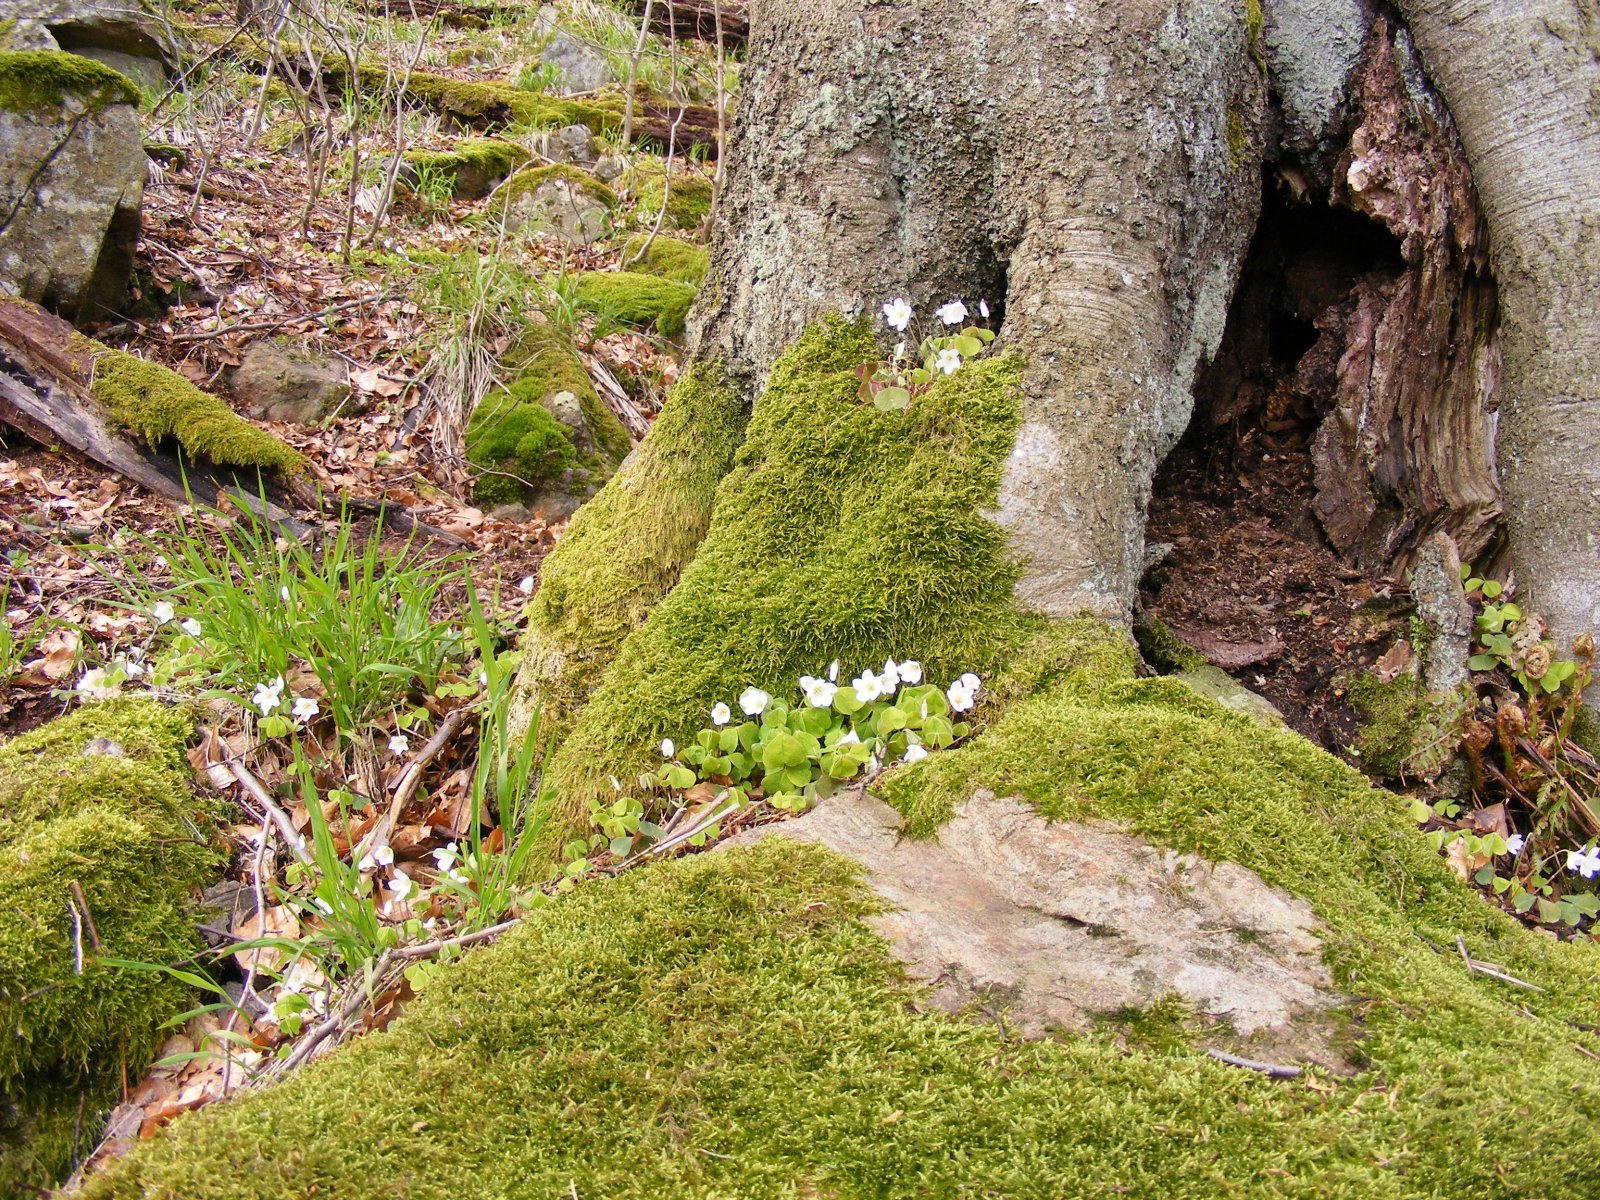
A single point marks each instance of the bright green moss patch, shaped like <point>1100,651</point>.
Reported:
<point>625,549</point>
<point>530,180</point>
<point>724,1026</point>
<point>667,257</point>
<point>1163,649</point>
<point>516,434</point>
<point>1405,730</point>
<point>35,79</point>
<point>485,105</point>
<point>156,403</point>
<point>126,829</point>
<point>472,164</point>
<point>688,197</point>
<point>841,531</point>
<point>634,298</point>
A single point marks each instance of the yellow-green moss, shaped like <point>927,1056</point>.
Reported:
<point>487,158</point>
<point>513,431</point>
<point>1405,731</point>
<point>35,79</point>
<point>634,298</point>
<point>126,829</point>
<point>490,105</point>
<point>725,1026</point>
<point>667,257</point>
<point>154,403</point>
<point>688,199</point>
<point>841,531</point>
<point>626,548</point>
<point>1163,649</point>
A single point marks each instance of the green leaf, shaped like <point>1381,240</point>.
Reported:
<point>846,701</point>
<point>968,346</point>
<point>892,399</point>
<point>1549,912</point>
<point>680,778</point>
<point>1524,902</point>
<point>784,750</point>
<point>621,846</point>
<point>1482,662</point>
<point>1491,588</point>
<point>889,720</point>
<point>728,740</point>
<point>983,335</point>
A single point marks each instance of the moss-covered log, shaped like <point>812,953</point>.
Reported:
<point>101,844</point>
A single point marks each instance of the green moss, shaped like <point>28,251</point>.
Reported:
<point>725,1026</point>
<point>484,158</point>
<point>688,198</point>
<point>124,828</point>
<point>626,548</point>
<point>1405,730</point>
<point>1163,649</point>
<point>667,257</point>
<point>155,403</point>
<point>841,531</point>
<point>34,79</point>
<point>636,299</point>
<point>490,105</point>
<point>514,431</point>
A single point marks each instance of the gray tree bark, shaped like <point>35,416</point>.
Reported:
<point>1521,80</point>
<point>1091,169</point>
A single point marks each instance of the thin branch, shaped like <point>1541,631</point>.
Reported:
<point>88,917</point>
<point>1271,1070</point>
<point>258,793</point>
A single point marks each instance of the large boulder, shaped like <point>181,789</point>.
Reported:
<point>123,36</point>
<point>573,66</point>
<point>558,200</point>
<point>72,169</point>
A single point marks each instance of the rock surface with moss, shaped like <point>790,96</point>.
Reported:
<point>100,800</point>
<point>558,199</point>
<point>474,167</point>
<point>669,257</point>
<point>545,439</point>
<point>72,169</point>
<point>687,195</point>
<point>649,301</point>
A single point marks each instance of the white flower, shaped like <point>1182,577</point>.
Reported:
<point>819,692</point>
<point>910,671</point>
<point>616,784</point>
<point>833,671</point>
<point>163,612</point>
<point>889,676</point>
<point>190,626</point>
<point>446,857</point>
<point>459,877</point>
<point>1584,862</point>
<point>383,856</point>
<point>983,309</point>
<point>268,696</point>
<point>283,593</point>
<point>326,910</point>
<point>849,739</point>
<point>971,682</point>
<point>953,313</point>
<point>960,697</point>
<point>400,887</point>
<point>97,685</point>
<point>305,708</point>
<point>399,744</point>
<point>914,754</point>
<point>868,686</point>
<point>897,313</point>
<point>526,586</point>
<point>753,701</point>
<point>721,714</point>
<point>668,749</point>
<point>1514,844</point>
<point>899,349</point>
<point>949,361</point>
<point>132,663</point>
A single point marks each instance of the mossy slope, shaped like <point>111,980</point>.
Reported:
<point>724,1026</point>
<point>668,257</point>
<point>688,196</point>
<point>636,298</point>
<point>127,831</point>
<point>841,531</point>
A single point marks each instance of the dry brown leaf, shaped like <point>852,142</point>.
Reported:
<point>58,653</point>
<point>277,921</point>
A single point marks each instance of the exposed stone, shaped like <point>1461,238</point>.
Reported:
<point>1444,611</point>
<point>574,66</point>
<point>1311,47</point>
<point>1057,922</point>
<point>608,167</point>
<point>283,381</point>
<point>123,36</point>
<point>72,170</point>
<point>571,143</point>
<point>559,205</point>
<point>1218,685</point>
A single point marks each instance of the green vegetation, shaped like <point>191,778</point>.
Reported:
<point>1163,649</point>
<point>688,198</point>
<point>118,821</point>
<point>667,257</point>
<point>472,164</point>
<point>531,180</point>
<point>842,531</point>
<point>155,403</point>
<point>767,1046</point>
<point>487,105</point>
<point>633,298</point>
<point>34,79</point>
<point>515,431</point>
<point>1405,731</point>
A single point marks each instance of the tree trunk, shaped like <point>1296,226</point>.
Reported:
<point>1093,173</point>
<point>1521,81</point>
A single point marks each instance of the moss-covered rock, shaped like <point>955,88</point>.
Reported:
<point>45,79</point>
<point>474,166</point>
<point>99,800</point>
<point>668,257</point>
<point>155,403</point>
<point>726,1026</point>
<point>635,298</point>
<point>545,438</point>
<point>842,531</point>
<point>688,197</point>
<point>487,105</point>
<point>560,199</point>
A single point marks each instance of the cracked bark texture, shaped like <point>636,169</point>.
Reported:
<point>1091,169</point>
<point>1521,81</point>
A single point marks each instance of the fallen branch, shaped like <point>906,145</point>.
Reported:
<point>1271,1070</point>
<point>269,807</point>
<point>1491,970</point>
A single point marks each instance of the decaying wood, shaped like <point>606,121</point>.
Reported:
<point>45,394</point>
<point>1406,451</point>
<point>699,19</point>
<point>616,397</point>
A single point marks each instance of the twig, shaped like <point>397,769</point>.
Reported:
<point>88,917</point>
<point>1491,971</point>
<point>77,937</point>
<point>1271,1070</point>
<point>280,322</point>
<point>352,1004</point>
<point>467,939</point>
<point>258,793</point>
<point>410,779</point>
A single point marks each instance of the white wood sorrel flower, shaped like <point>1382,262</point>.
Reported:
<point>949,361</point>
<point>819,693</point>
<point>721,714</point>
<point>753,701</point>
<point>897,313</point>
<point>953,313</point>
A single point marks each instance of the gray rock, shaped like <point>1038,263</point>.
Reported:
<point>72,171</point>
<point>1057,922</point>
<point>123,35</point>
<point>608,167</point>
<point>1216,684</point>
<point>574,66</point>
<point>282,381</point>
<point>571,143</point>
<point>1444,611</point>
<point>558,206</point>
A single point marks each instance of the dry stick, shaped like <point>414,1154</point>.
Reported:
<point>719,176</point>
<point>392,172</point>
<point>280,322</point>
<point>1491,971</point>
<point>1272,1070</point>
<point>258,792</point>
<point>666,195</point>
<point>410,779</point>
<point>88,917</point>
<point>77,937</point>
<point>633,77</point>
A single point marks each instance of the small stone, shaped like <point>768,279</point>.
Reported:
<point>103,746</point>
<point>574,66</point>
<point>279,380</point>
<point>511,514</point>
<point>608,167</point>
